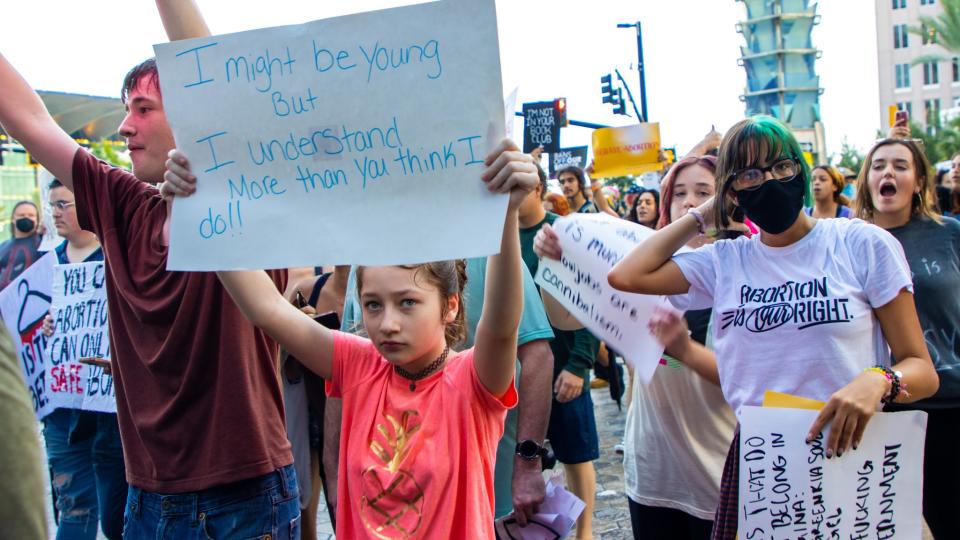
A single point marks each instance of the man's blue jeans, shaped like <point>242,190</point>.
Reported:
<point>266,507</point>
<point>87,472</point>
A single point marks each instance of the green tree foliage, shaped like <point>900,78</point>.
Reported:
<point>103,149</point>
<point>944,29</point>
<point>849,157</point>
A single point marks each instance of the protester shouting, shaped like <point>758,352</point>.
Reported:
<point>894,192</point>
<point>194,381</point>
<point>761,170</point>
<point>421,421</point>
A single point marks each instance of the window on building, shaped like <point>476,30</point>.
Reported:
<point>931,73</point>
<point>900,36</point>
<point>956,102</point>
<point>905,106</point>
<point>926,2</point>
<point>956,69</point>
<point>932,112</point>
<point>902,75</point>
<point>899,4</point>
<point>928,35</point>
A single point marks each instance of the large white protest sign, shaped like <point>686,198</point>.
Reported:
<point>788,489</point>
<point>79,311</point>
<point>356,139</point>
<point>23,305</point>
<point>592,244</point>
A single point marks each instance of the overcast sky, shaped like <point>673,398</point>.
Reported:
<point>548,49</point>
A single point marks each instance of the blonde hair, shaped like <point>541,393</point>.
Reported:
<point>922,204</point>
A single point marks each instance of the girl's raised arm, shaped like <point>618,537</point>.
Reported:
<point>495,351</point>
<point>648,268</point>
<point>257,297</point>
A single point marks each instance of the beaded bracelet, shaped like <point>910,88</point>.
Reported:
<point>896,383</point>
<point>701,223</point>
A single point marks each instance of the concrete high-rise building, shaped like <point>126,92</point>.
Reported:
<point>779,59</point>
<point>928,90</point>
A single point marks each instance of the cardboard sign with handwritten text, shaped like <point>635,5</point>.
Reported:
<point>23,305</point>
<point>592,244</point>
<point>789,489</point>
<point>81,330</point>
<point>352,140</point>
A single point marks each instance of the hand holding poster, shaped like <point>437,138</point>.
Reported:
<point>79,311</point>
<point>356,139</point>
<point>592,244</point>
<point>788,489</point>
<point>23,305</point>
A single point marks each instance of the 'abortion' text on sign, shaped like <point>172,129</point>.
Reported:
<point>79,311</point>
<point>592,244</point>
<point>357,139</point>
<point>789,489</point>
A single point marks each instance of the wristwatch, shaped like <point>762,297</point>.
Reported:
<point>530,450</point>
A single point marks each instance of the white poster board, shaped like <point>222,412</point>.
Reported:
<point>81,330</point>
<point>357,139</point>
<point>592,244</point>
<point>23,305</point>
<point>788,489</point>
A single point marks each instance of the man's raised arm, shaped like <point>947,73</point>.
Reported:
<point>25,118</point>
<point>182,19</point>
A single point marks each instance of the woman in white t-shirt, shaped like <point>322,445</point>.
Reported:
<point>805,307</point>
<point>678,425</point>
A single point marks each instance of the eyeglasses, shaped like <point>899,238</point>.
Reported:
<point>60,205</point>
<point>750,179</point>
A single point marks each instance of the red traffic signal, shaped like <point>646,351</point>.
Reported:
<point>560,111</point>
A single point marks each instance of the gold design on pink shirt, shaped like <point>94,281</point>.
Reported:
<point>391,505</point>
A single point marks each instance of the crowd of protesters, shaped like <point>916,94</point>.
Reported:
<point>428,400</point>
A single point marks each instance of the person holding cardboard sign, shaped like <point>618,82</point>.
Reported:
<point>806,307</point>
<point>194,380</point>
<point>83,446</point>
<point>421,421</point>
<point>895,192</point>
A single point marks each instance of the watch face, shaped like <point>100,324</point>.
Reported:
<point>528,449</point>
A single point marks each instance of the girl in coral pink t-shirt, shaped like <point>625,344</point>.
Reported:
<point>420,422</point>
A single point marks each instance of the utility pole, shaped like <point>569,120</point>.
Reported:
<point>643,82</point>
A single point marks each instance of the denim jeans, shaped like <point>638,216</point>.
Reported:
<point>266,507</point>
<point>87,472</point>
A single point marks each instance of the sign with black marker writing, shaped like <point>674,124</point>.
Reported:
<point>789,489</point>
<point>356,139</point>
<point>80,330</point>
<point>540,127</point>
<point>592,244</point>
<point>566,157</point>
<point>23,305</point>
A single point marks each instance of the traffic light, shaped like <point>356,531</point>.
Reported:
<point>560,112</point>
<point>621,106</point>
<point>606,88</point>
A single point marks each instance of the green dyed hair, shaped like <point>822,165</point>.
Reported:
<point>755,141</point>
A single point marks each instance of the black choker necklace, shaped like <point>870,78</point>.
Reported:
<point>414,377</point>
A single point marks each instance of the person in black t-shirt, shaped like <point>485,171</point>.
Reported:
<point>23,248</point>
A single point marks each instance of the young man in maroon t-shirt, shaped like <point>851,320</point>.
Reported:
<point>198,396</point>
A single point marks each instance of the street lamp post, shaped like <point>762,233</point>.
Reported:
<point>643,82</point>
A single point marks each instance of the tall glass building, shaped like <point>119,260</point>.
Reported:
<point>779,59</point>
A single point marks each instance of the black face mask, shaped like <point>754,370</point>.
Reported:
<point>25,225</point>
<point>775,205</point>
